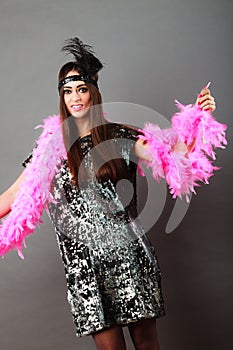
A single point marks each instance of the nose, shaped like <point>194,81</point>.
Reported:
<point>75,96</point>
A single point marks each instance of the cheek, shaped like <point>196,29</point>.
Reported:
<point>88,99</point>
<point>66,102</point>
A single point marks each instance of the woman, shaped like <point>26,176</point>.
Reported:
<point>113,277</point>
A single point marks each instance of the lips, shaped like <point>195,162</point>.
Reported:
<point>77,107</point>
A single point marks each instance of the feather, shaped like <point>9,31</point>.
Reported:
<point>34,195</point>
<point>182,169</point>
<point>88,63</point>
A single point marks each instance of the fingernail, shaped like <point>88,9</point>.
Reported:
<point>199,103</point>
<point>200,95</point>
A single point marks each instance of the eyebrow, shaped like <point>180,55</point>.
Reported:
<point>70,87</point>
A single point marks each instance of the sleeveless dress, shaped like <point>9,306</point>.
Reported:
<point>112,273</point>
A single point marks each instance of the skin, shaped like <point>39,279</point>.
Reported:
<point>7,198</point>
<point>78,101</point>
<point>205,102</point>
<point>78,95</point>
<point>143,334</point>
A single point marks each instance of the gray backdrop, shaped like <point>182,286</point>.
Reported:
<point>155,51</point>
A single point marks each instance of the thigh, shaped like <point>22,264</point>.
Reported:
<point>144,334</point>
<point>110,339</point>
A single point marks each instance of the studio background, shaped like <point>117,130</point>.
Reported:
<point>155,52</point>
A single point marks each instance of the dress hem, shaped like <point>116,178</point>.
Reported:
<point>120,323</point>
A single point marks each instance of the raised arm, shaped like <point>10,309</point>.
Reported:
<point>182,154</point>
<point>205,101</point>
<point>7,197</point>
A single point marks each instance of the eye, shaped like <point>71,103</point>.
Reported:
<point>66,91</point>
<point>83,89</point>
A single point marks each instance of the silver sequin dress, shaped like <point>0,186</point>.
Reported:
<point>111,269</point>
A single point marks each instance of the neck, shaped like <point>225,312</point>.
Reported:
<point>83,126</point>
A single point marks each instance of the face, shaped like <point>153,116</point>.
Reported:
<point>76,97</point>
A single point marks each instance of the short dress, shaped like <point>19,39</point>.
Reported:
<point>112,272</point>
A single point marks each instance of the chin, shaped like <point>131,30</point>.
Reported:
<point>80,114</point>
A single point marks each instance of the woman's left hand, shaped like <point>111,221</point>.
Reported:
<point>205,101</point>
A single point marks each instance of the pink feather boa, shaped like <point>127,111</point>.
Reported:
<point>182,170</point>
<point>34,194</point>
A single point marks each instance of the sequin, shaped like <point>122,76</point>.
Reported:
<point>112,273</point>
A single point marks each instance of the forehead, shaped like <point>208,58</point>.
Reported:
<point>72,72</point>
<point>75,82</point>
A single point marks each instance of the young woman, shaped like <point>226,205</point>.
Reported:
<point>112,272</point>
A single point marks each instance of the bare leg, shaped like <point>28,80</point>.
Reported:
<point>110,339</point>
<point>144,334</point>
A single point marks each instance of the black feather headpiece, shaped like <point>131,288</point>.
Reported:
<point>84,56</point>
<point>86,60</point>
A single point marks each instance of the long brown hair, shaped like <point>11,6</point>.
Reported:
<point>106,154</point>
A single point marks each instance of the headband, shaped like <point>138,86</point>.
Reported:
<point>89,65</point>
<point>77,77</point>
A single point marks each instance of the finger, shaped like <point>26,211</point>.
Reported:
<point>205,98</point>
<point>209,109</point>
<point>206,102</point>
<point>208,105</point>
<point>204,92</point>
<point>203,95</point>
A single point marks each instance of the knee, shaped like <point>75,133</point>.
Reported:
<point>143,344</point>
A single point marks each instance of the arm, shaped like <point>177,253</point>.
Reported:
<point>180,154</point>
<point>34,194</point>
<point>7,197</point>
<point>206,102</point>
<point>142,151</point>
